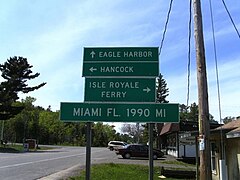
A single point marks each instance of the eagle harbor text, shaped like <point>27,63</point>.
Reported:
<point>119,54</point>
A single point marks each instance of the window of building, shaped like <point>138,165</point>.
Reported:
<point>213,157</point>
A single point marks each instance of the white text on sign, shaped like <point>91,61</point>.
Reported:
<point>113,112</point>
<point>119,54</point>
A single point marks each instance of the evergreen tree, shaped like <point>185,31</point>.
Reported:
<point>162,93</point>
<point>15,71</point>
<point>162,90</point>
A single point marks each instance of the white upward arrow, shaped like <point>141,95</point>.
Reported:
<point>92,69</point>
<point>147,89</point>
<point>92,54</point>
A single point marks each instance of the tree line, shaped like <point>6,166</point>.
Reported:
<point>35,122</point>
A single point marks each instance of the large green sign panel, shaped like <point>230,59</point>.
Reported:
<point>121,54</point>
<point>120,89</point>
<point>119,112</point>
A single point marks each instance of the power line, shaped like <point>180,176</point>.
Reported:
<point>189,49</point>
<point>218,86</point>
<point>225,6</point>
<point>216,60</point>
<point>165,27</point>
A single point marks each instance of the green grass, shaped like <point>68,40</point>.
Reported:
<point>11,149</point>
<point>18,148</point>
<point>113,171</point>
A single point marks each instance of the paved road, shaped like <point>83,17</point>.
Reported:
<point>60,162</point>
<point>34,165</point>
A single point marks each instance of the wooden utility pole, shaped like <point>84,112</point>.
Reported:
<point>203,118</point>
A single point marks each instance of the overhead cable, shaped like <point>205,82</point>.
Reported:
<point>189,50</point>
<point>165,27</point>
<point>231,18</point>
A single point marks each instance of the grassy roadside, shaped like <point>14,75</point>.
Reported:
<point>11,148</point>
<point>17,148</point>
<point>120,171</point>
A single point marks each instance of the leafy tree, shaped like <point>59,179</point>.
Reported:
<point>25,124</point>
<point>228,119</point>
<point>183,110</point>
<point>133,131</point>
<point>51,128</point>
<point>193,114</point>
<point>15,71</point>
<point>102,134</point>
<point>190,113</point>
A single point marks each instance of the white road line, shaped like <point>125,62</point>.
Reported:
<point>44,160</point>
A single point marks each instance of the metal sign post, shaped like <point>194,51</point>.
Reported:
<point>88,150</point>
<point>150,135</point>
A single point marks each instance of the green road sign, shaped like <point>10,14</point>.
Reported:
<point>120,89</point>
<point>119,112</point>
<point>144,69</point>
<point>121,54</point>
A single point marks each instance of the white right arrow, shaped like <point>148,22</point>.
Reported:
<point>147,89</point>
<point>92,54</point>
<point>92,69</point>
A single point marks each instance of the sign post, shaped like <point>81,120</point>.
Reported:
<point>88,150</point>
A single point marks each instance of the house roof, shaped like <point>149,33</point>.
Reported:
<point>169,127</point>
<point>237,130</point>
<point>230,126</point>
<point>234,133</point>
<point>232,129</point>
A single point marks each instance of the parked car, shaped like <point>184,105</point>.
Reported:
<point>116,144</point>
<point>137,150</point>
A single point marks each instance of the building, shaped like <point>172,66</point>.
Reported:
<point>180,140</point>
<point>225,151</point>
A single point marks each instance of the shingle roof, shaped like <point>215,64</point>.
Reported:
<point>169,127</point>
<point>232,129</point>
<point>231,125</point>
<point>235,130</point>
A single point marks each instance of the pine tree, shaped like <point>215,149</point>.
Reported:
<point>162,90</point>
<point>162,93</point>
<point>15,71</point>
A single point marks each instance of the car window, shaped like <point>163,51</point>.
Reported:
<point>143,148</point>
<point>131,147</point>
<point>135,148</point>
<point>117,143</point>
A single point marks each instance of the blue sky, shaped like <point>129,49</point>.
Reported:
<point>51,35</point>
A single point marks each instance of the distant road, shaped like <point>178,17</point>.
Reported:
<point>34,165</point>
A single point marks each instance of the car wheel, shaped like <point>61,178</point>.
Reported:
<point>127,156</point>
<point>155,156</point>
<point>111,148</point>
